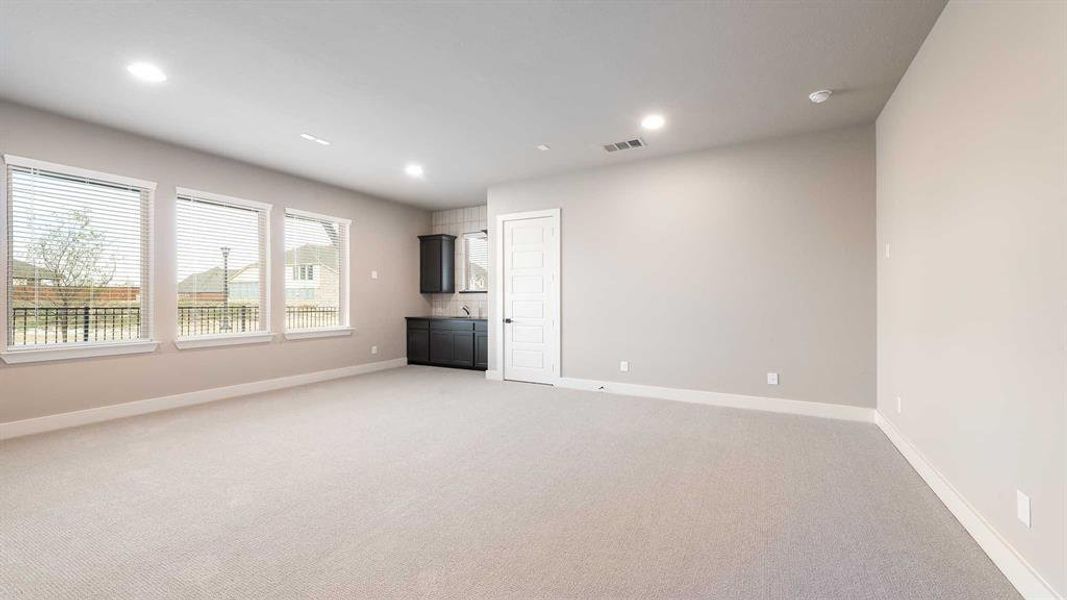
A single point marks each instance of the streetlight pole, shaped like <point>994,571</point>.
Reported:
<point>225,325</point>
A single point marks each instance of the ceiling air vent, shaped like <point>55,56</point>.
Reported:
<point>625,145</point>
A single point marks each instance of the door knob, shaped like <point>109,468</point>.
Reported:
<point>507,320</point>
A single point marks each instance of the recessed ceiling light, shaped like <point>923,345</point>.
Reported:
<point>543,147</point>
<point>820,96</point>
<point>317,140</point>
<point>147,72</point>
<point>653,122</point>
<point>414,170</point>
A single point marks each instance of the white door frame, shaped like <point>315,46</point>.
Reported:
<point>499,292</point>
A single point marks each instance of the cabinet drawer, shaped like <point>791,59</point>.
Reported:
<point>418,323</point>
<point>457,325</point>
<point>481,326</point>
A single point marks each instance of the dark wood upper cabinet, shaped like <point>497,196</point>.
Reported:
<point>437,264</point>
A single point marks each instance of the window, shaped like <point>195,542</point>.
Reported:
<point>316,280</point>
<point>304,272</point>
<point>476,262</point>
<point>222,265</point>
<point>78,248</point>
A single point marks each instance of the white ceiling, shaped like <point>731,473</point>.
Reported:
<point>467,89</point>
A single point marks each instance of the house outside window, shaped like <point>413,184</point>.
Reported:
<point>223,257</point>
<point>316,285</point>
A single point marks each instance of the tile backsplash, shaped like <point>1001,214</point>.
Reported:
<point>457,222</point>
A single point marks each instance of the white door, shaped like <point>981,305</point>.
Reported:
<point>531,298</point>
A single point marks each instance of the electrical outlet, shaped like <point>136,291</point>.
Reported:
<point>1022,508</point>
<point>373,349</point>
<point>772,379</point>
<point>624,366</point>
<point>373,274</point>
<point>888,251</point>
<point>900,405</point>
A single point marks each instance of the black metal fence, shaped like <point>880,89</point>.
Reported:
<point>211,320</point>
<point>57,325</point>
<point>310,317</point>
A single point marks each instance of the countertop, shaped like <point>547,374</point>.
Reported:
<point>447,318</point>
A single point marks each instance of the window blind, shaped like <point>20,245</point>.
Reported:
<point>222,265</point>
<point>476,261</point>
<point>316,270</point>
<point>78,256</point>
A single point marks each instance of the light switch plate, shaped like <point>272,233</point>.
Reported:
<point>373,274</point>
<point>373,349</point>
<point>1022,508</point>
<point>624,366</point>
<point>900,405</point>
<point>772,379</point>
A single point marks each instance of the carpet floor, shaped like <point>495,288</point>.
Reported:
<point>435,483</point>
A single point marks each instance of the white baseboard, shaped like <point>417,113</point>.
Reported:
<point>139,407</point>
<point>1024,577</point>
<point>779,405</point>
<point>494,374</point>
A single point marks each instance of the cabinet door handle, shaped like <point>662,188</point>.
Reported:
<point>507,320</point>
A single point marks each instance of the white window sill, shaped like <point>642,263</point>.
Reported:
<point>41,353</point>
<point>304,334</point>
<point>211,341</point>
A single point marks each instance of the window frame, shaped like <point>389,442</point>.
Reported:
<point>228,339</point>
<point>74,350</point>
<point>343,284</point>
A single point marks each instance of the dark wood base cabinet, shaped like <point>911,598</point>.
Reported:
<point>442,342</point>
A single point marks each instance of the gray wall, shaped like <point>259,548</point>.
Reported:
<point>972,198</point>
<point>707,270</point>
<point>383,238</point>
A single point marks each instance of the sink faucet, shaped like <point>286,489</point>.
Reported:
<point>467,310</point>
